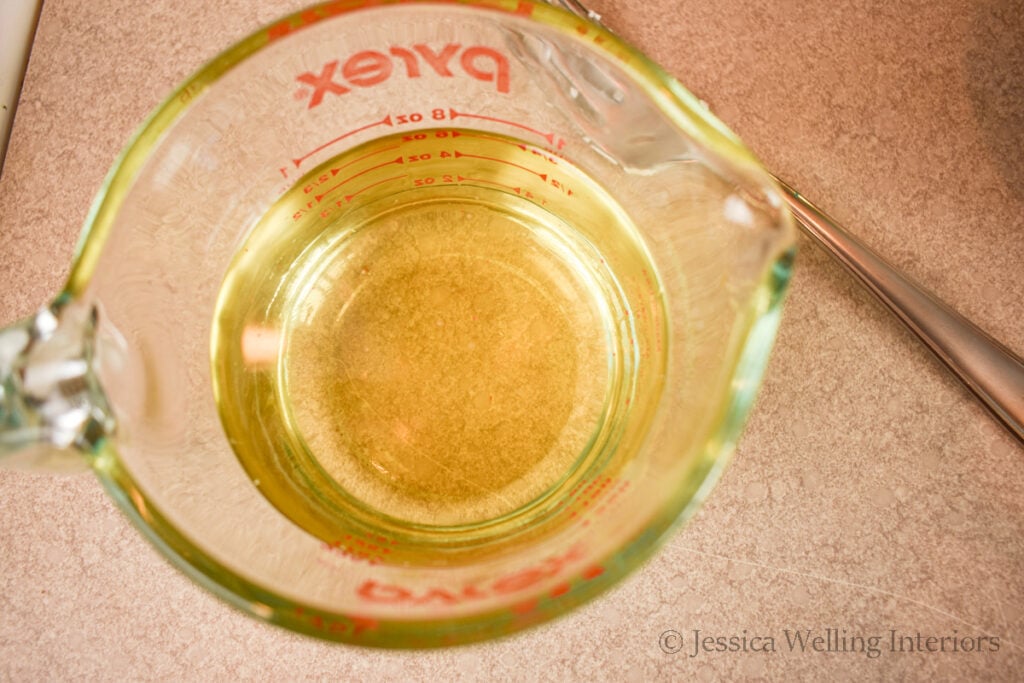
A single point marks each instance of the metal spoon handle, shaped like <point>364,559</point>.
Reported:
<point>989,369</point>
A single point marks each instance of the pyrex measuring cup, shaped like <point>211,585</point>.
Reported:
<point>411,323</point>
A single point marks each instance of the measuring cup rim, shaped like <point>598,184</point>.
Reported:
<point>681,107</point>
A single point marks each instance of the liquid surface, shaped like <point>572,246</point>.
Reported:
<point>426,332</point>
<point>448,365</point>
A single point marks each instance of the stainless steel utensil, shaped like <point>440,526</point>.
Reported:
<point>993,373</point>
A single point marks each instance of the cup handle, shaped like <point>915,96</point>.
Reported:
<point>52,408</point>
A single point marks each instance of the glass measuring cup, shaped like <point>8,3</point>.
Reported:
<point>590,136</point>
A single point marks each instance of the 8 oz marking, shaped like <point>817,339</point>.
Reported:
<point>417,117</point>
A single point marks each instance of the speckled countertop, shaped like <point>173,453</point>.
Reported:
<point>869,492</point>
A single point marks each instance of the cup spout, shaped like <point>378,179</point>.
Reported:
<point>52,408</point>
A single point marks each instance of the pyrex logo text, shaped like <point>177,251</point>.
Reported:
<point>368,68</point>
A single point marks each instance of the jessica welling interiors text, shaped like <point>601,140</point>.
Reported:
<point>695,643</point>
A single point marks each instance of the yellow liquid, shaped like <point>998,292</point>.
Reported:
<point>427,337</point>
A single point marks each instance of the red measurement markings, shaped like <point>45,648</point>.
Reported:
<point>337,170</point>
<point>559,185</point>
<point>329,208</point>
<point>431,180</point>
<point>368,548</point>
<point>438,114</point>
<point>530,195</point>
<point>595,499</point>
<point>412,137</point>
<point>396,160</point>
<point>328,175</point>
<point>339,624</point>
<point>550,137</point>
<point>523,610</point>
<point>520,580</point>
<point>460,155</point>
<point>464,179</point>
<point>588,495</point>
<point>613,496</point>
<point>542,155</point>
<point>386,121</point>
<point>518,190</point>
<point>350,197</point>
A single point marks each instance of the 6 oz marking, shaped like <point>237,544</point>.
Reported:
<point>412,137</point>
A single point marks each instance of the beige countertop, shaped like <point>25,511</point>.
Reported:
<point>869,493</point>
